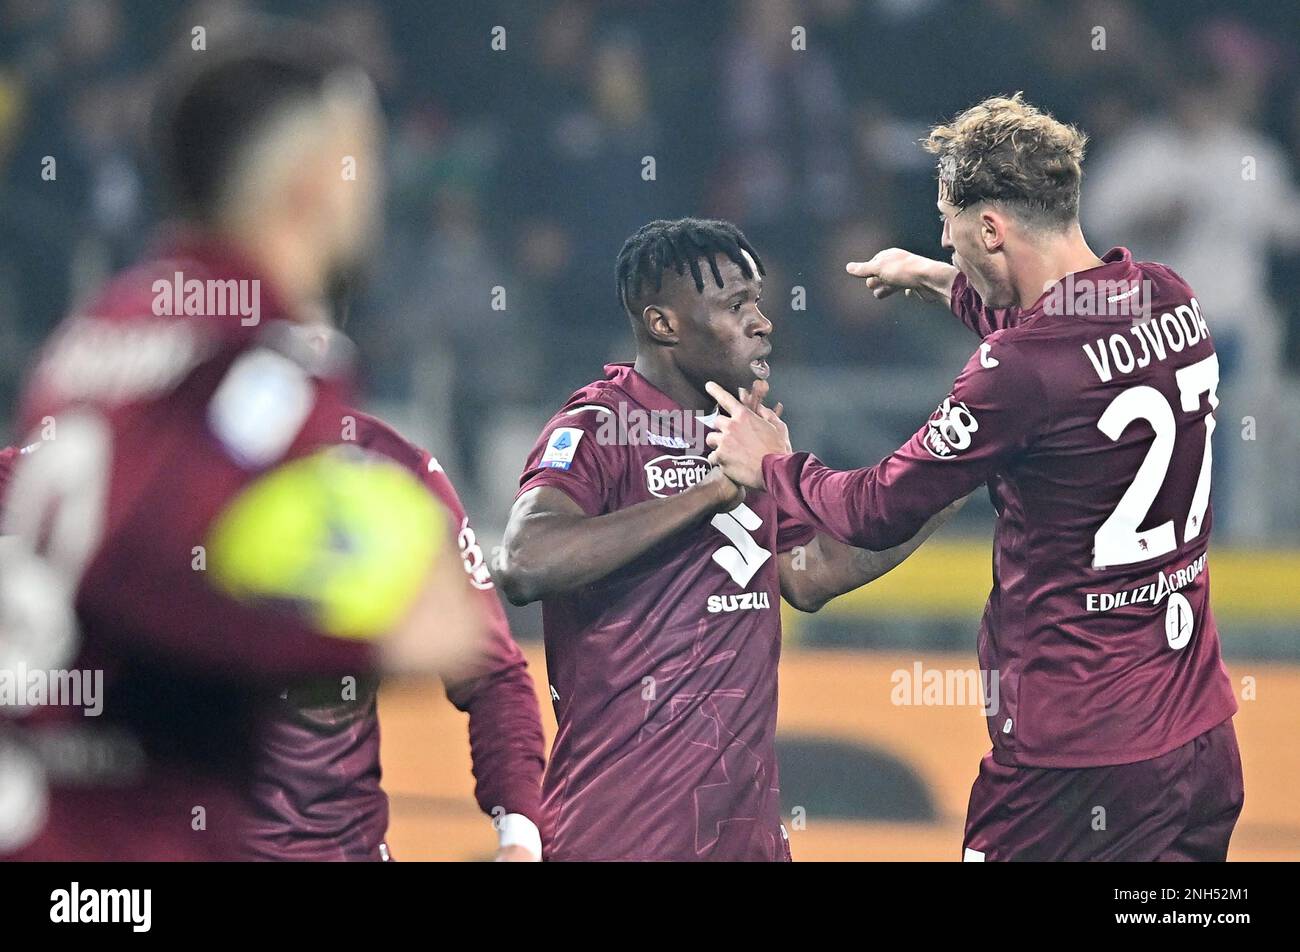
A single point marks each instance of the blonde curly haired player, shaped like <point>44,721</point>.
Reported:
<point>1087,409</point>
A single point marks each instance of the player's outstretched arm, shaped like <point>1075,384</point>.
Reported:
<point>995,410</point>
<point>894,270</point>
<point>552,546</point>
<point>827,568</point>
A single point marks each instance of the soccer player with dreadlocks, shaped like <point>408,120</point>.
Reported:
<point>660,579</point>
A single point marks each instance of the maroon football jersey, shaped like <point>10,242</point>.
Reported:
<point>664,673</point>
<point>147,425</point>
<point>1089,414</point>
<point>317,793</point>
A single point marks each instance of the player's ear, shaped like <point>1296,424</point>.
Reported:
<point>660,323</point>
<point>993,230</point>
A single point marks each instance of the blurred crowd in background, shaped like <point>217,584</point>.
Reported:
<point>517,172</point>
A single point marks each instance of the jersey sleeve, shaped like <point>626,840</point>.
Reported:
<point>505,726</point>
<point>575,456</point>
<point>969,308</point>
<point>994,411</point>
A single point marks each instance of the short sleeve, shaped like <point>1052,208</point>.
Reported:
<point>575,456</point>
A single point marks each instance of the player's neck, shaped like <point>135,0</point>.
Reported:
<point>664,376</point>
<point>1055,258</point>
<point>289,264</point>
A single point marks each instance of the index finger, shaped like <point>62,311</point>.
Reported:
<point>863,269</point>
<point>725,400</point>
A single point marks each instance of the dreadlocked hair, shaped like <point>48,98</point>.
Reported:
<point>679,245</point>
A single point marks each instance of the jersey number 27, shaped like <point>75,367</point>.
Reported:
<point>1118,541</point>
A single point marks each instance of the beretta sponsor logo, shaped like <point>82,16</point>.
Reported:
<point>669,475</point>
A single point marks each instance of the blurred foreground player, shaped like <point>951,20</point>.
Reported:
<point>1088,409</point>
<point>186,527</point>
<point>660,580</point>
<point>317,793</point>
<point>8,456</point>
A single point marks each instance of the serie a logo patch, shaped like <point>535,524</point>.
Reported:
<point>561,447</point>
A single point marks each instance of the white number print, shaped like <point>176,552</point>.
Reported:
<point>1118,541</point>
<point>58,493</point>
<point>1178,621</point>
<point>744,556</point>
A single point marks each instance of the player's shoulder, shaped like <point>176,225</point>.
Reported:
<point>381,437</point>
<point>591,402</point>
<point>587,410</point>
<point>1010,367</point>
<point>136,292</point>
<point>1008,347</point>
<point>1165,281</point>
<point>583,432</point>
<point>160,286</point>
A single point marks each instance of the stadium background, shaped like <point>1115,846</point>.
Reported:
<point>522,169</point>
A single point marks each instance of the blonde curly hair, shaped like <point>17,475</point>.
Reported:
<point>1004,150</point>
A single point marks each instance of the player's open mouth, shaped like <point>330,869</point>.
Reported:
<point>761,370</point>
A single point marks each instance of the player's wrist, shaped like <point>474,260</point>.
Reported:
<point>937,280</point>
<point>934,280</point>
<point>765,466</point>
<point>717,493</point>
<point>515,829</point>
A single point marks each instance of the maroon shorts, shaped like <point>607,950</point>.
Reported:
<point>1180,806</point>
